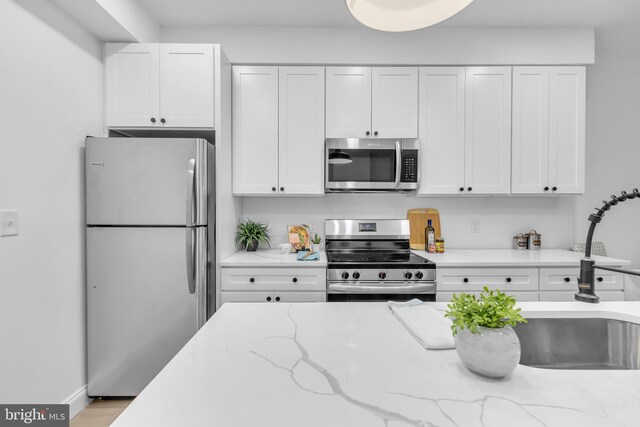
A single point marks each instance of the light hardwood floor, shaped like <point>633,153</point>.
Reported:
<point>100,413</point>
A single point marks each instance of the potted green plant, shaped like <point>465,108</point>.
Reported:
<point>315,243</point>
<point>250,234</point>
<point>484,339</point>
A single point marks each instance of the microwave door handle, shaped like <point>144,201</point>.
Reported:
<point>398,163</point>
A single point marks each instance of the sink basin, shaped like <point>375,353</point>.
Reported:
<point>591,343</point>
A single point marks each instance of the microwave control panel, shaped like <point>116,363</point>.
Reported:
<point>409,168</point>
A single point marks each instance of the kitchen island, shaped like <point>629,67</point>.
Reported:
<point>354,364</point>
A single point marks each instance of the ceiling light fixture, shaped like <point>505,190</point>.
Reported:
<point>403,15</point>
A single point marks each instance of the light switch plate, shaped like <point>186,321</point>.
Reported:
<point>8,223</point>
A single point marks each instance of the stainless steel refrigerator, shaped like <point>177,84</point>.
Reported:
<point>150,236</point>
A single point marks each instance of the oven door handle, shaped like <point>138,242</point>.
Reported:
<point>382,289</point>
<point>398,162</point>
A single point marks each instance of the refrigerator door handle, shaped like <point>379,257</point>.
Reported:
<point>191,276</point>
<point>191,172</point>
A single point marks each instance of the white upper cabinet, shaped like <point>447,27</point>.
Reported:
<point>394,102</point>
<point>364,102</point>
<point>301,130</point>
<point>488,130</point>
<point>348,102</point>
<point>567,130</point>
<point>530,131</point>
<point>441,130</point>
<point>159,85</point>
<point>255,130</point>
<point>278,130</point>
<point>132,80</point>
<point>186,85</point>
<point>548,130</point>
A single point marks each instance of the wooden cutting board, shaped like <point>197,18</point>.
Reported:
<point>418,220</point>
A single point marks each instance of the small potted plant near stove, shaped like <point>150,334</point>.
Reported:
<point>315,243</point>
<point>250,234</point>
<point>484,339</point>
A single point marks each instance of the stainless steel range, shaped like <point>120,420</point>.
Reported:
<point>370,260</point>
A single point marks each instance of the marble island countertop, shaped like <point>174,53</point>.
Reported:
<point>514,258</point>
<point>354,364</point>
<point>270,258</point>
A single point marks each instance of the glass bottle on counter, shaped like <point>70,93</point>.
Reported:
<point>430,238</point>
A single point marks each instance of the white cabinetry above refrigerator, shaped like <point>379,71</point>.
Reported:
<point>159,85</point>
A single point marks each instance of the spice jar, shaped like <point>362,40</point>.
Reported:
<point>534,240</point>
<point>520,242</point>
<point>440,246</point>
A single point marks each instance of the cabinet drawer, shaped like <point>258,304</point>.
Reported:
<point>519,296</point>
<point>262,296</point>
<point>566,279</point>
<point>273,279</point>
<point>474,279</point>
<point>569,296</point>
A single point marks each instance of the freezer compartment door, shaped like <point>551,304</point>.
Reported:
<point>146,181</point>
<point>140,311</point>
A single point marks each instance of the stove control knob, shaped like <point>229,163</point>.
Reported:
<point>419,275</point>
<point>408,275</point>
<point>355,275</point>
<point>345,275</point>
<point>382,275</point>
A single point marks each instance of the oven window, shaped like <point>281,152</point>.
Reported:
<point>365,165</point>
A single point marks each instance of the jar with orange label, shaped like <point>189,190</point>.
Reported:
<point>440,246</point>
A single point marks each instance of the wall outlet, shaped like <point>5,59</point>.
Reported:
<point>475,226</point>
<point>8,223</point>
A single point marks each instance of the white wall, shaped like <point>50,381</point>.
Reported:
<point>498,218</point>
<point>613,151</point>
<point>361,45</point>
<point>51,97</point>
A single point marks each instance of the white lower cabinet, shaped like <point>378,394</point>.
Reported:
<point>526,284</point>
<point>560,284</point>
<point>474,279</point>
<point>519,296</point>
<point>273,284</point>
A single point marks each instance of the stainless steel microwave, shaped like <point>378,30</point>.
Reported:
<point>353,164</point>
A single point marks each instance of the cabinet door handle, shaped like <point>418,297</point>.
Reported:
<point>367,133</point>
<point>461,188</point>
<point>600,279</point>
<point>153,119</point>
<point>281,188</point>
<point>375,133</point>
<point>277,298</point>
<point>268,298</point>
<point>162,120</point>
<point>252,280</point>
<point>273,188</point>
<point>465,280</point>
<point>469,188</point>
<point>546,188</point>
<point>295,280</point>
<point>567,279</point>
<point>508,279</point>
<point>555,188</point>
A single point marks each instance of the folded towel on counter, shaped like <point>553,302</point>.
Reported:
<point>426,323</point>
<point>308,256</point>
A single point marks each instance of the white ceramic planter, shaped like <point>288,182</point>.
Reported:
<point>490,352</point>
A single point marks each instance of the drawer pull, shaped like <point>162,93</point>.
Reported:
<point>567,279</point>
<point>508,279</point>
<point>277,298</point>
<point>465,280</point>
<point>295,280</point>
<point>252,280</point>
<point>268,298</point>
<point>600,279</point>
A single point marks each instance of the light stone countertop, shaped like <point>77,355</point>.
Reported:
<point>270,258</point>
<point>513,258</point>
<point>354,365</point>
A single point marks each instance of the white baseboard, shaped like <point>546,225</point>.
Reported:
<point>77,401</point>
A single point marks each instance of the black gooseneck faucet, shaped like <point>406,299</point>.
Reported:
<point>586,281</point>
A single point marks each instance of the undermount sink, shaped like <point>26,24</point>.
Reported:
<point>589,343</point>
